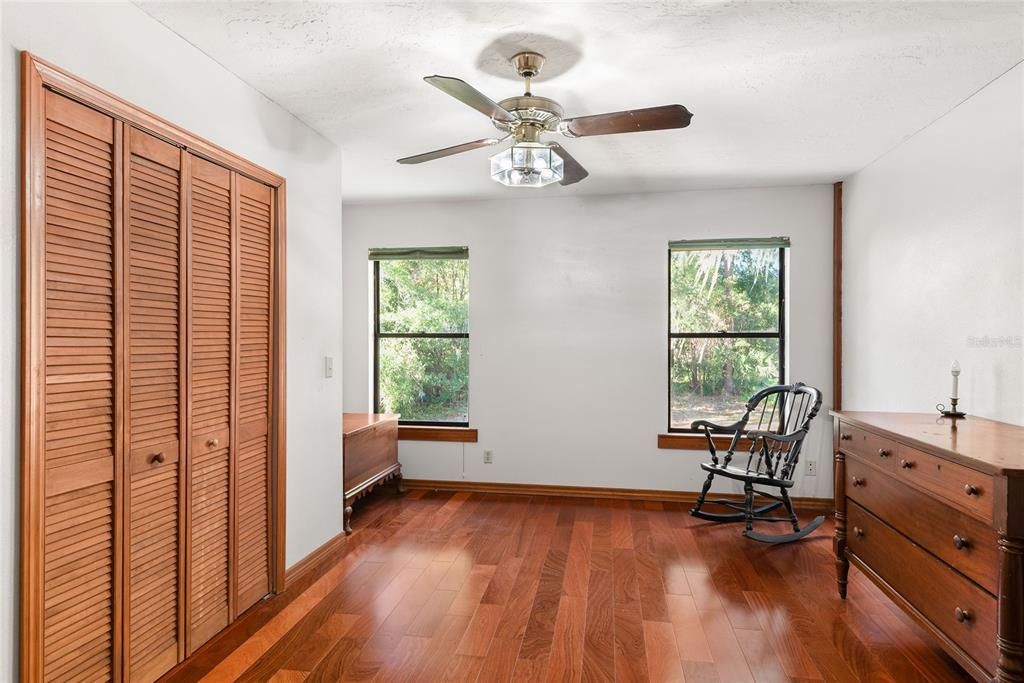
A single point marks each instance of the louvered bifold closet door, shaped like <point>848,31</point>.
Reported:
<point>210,464</point>
<point>79,394</point>
<point>154,411</point>
<point>255,231</point>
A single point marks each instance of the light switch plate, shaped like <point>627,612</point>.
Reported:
<point>328,367</point>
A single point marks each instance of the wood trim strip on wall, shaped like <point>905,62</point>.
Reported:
<point>32,169</point>
<point>821,505</point>
<point>837,296</point>
<point>278,380</point>
<point>431,433</point>
<point>691,442</point>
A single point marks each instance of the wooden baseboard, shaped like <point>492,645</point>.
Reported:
<point>311,562</point>
<point>818,505</point>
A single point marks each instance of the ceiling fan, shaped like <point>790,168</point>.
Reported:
<point>523,119</point>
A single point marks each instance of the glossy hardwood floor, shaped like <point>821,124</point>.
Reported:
<point>436,586</point>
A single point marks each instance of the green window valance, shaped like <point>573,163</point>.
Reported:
<point>746,243</point>
<point>418,253</point>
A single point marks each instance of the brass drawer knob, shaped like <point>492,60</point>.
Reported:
<point>970,490</point>
<point>883,453</point>
<point>212,443</point>
<point>156,458</point>
<point>858,532</point>
<point>962,615</point>
<point>845,437</point>
<point>857,481</point>
<point>960,542</point>
<point>906,464</point>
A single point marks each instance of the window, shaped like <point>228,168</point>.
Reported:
<point>726,335</point>
<point>421,334</point>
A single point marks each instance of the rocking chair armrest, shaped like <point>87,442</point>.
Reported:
<point>755,434</point>
<point>707,428</point>
<point>729,429</point>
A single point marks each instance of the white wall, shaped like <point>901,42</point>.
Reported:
<point>120,48</point>
<point>568,325</point>
<point>933,263</point>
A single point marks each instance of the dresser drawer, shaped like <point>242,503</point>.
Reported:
<point>961,486</point>
<point>954,536</point>
<point>860,442</point>
<point>955,605</point>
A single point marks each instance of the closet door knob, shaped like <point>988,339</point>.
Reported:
<point>960,542</point>
<point>156,458</point>
<point>212,443</point>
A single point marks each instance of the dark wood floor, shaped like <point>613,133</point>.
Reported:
<point>437,586</point>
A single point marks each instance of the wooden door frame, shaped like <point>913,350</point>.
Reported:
<point>38,76</point>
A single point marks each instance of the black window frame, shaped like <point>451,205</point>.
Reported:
<point>378,335</point>
<point>779,334</point>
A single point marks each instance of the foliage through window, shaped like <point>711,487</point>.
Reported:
<point>421,336</point>
<point>726,327</point>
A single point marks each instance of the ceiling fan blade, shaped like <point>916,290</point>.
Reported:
<point>572,171</point>
<point>633,121</point>
<point>448,151</point>
<point>464,92</point>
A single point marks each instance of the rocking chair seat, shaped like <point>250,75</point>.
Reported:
<point>740,474</point>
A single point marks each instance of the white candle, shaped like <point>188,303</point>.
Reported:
<point>956,375</point>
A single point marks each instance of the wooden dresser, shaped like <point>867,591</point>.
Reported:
<point>934,515</point>
<point>369,455</point>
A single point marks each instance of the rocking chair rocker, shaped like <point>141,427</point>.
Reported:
<point>783,414</point>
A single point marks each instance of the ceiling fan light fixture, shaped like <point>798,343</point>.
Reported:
<point>527,164</point>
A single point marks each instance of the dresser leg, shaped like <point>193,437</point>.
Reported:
<point>839,541</point>
<point>348,519</point>
<point>1010,666</point>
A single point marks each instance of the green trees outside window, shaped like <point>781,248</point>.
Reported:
<point>421,340</point>
<point>726,331</point>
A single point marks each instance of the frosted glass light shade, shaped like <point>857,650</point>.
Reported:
<point>527,164</point>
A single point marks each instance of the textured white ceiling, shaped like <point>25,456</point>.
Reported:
<point>782,93</point>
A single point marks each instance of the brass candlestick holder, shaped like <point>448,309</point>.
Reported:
<point>952,412</point>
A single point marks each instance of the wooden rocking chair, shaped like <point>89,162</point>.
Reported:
<point>783,415</point>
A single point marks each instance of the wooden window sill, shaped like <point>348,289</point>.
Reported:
<point>691,442</point>
<point>432,433</point>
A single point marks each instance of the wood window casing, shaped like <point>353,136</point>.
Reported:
<point>121,142</point>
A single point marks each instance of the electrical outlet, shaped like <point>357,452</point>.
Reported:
<point>488,457</point>
<point>812,468</point>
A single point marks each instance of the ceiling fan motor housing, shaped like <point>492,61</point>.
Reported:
<point>534,115</point>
